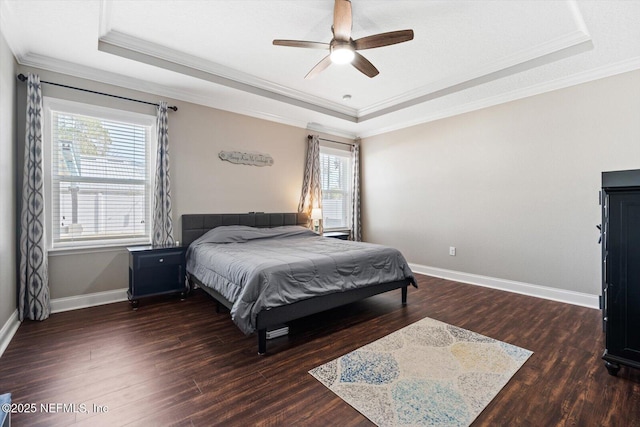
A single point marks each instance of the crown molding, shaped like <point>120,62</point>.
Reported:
<point>104,20</point>
<point>124,45</point>
<point>577,16</point>
<point>520,61</point>
<point>101,76</point>
<point>610,70</point>
<point>523,60</point>
<point>320,128</point>
<point>129,47</point>
<point>106,77</point>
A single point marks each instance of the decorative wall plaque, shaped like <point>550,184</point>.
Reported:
<point>254,159</point>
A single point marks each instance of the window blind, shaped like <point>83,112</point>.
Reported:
<point>100,181</point>
<point>335,171</point>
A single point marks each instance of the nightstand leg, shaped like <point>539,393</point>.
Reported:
<point>134,304</point>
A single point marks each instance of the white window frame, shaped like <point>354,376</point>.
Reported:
<point>338,150</point>
<point>51,105</point>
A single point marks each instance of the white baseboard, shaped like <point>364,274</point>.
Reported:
<point>570,297</point>
<point>59,305</point>
<point>8,331</point>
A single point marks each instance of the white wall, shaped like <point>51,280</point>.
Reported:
<point>201,182</point>
<point>513,187</point>
<point>7,183</point>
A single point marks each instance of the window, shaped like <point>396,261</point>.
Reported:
<point>336,182</point>
<point>99,185</point>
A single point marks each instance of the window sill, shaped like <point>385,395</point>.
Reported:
<point>93,249</point>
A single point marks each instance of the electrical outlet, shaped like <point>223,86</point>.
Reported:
<point>452,250</point>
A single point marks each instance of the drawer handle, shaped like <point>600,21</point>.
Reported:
<point>161,260</point>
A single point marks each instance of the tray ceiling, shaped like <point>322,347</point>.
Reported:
<point>465,54</point>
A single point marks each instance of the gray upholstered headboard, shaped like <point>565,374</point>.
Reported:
<point>195,225</point>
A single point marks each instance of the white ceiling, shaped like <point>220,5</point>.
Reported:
<point>465,54</point>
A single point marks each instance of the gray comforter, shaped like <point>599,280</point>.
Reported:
<point>262,268</point>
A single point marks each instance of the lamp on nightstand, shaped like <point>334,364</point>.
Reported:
<point>316,216</point>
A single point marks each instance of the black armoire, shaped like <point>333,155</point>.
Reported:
<point>621,268</point>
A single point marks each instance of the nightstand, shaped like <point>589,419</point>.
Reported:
<point>156,270</point>
<point>342,235</point>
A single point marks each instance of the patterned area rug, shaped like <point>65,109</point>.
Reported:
<point>428,373</point>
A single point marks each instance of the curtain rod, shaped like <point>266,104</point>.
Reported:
<point>23,78</point>
<point>331,140</point>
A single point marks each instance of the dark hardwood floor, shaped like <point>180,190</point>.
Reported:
<point>181,363</point>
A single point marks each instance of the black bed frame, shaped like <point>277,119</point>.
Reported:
<point>195,225</point>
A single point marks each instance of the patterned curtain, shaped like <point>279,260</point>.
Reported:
<point>162,222</point>
<point>33,294</point>
<point>356,222</point>
<point>311,196</point>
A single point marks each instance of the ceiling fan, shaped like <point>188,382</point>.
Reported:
<point>342,48</point>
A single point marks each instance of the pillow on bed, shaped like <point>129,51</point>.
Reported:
<point>243,233</point>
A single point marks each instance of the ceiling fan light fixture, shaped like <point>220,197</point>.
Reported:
<point>342,48</point>
<point>342,54</point>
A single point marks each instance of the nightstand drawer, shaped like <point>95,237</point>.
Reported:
<point>159,259</point>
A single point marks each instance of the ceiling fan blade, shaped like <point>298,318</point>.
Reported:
<point>342,20</point>
<point>326,61</point>
<point>301,43</point>
<point>364,66</point>
<point>383,39</point>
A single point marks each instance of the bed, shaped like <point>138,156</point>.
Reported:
<point>268,269</point>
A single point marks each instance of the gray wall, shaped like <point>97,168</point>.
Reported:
<point>513,187</point>
<point>7,183</point>
<point>201,182</point>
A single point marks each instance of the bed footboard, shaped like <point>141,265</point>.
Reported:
<point>279,315</point>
